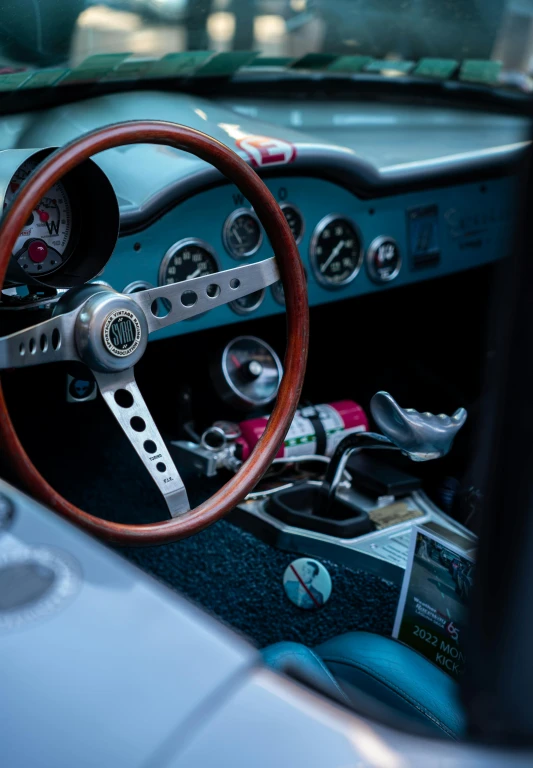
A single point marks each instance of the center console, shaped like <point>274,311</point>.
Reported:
<point>333,491</point>
<point>382,550</point>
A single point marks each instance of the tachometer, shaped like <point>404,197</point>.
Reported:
<point>187,259</point>
<point>44,244</point>
<point>335,251</point>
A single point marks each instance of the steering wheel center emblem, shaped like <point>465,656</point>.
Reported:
<point>122,332</point>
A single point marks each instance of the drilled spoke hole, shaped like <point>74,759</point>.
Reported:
<point>161,467</point>
<point>22,350</point>
<point>33,346</point>
<point>44,342</point>
<point>213,290</point>
<point>138,424</point>
<point>149,446</point>
<point>56,339</point>
<point>189,298</point>
<point>235,283</point>
<point>123,398</point>
<point>161,307</point>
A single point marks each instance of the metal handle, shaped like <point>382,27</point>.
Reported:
<point>421,436</point>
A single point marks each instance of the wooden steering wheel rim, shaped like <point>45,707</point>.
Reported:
<point>294,284</point>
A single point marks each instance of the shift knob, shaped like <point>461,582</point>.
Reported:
<point>421,436</point>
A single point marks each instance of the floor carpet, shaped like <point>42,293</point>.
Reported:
<point>238,578</point>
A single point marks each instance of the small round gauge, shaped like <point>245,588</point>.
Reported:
<point>335,251</point>
<point>242,234</point>
<point>249,303</point>
<point>383,259</point>
<point>295,220</point>
<point>278,293</point>
<point>43,245</point>
<point>249,373</point>
<point>186,260</point>
<point>136,287</point>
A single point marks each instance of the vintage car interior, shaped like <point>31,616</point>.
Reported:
<point>247,317</point>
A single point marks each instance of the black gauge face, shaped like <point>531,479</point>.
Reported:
<point>242,234</point>
<point>278,293</point>
<point>251,372</point>
<point>383,260</point>
<point>249,303</point>
<point>294,220</point>
<point>43,245</point>
<point>335,251</point>
<point>186,260</point>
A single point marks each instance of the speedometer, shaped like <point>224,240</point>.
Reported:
<point>44,244</point>
<point>186,260</point>
<point>335,251</point>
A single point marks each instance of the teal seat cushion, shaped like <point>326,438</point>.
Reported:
<point>384,670</point>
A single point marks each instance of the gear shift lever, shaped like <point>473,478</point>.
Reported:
<point>420,436</point>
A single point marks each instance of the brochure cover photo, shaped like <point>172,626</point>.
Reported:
<point>433,602</point>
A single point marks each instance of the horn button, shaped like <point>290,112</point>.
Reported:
<point>111,332</point>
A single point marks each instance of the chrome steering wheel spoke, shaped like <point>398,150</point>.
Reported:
<point>122,395</point>
<point>180,301</point>
<point>51,341</point>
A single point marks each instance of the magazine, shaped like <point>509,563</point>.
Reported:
<point>436,588</point>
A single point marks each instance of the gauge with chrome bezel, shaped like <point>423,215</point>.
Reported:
<point>295,220</point>
<point>187,259</point>
<point>69,235</point>
<point>242,234</point>
<point>335,251</point>
<point>247,304</point>
<point>383,259</point>
<point>248,373</point>
<point>278,292</point>
<point>44,244</point>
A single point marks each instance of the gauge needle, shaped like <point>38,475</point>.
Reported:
<point>236,235</point>
<point>333,255</point>
<point>43,215</point>
<point>235,361</point>
<point>196,272</point>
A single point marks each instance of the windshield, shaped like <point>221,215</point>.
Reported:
<point>51,33</point>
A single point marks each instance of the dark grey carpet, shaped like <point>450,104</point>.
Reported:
<point>239,579</point>
<point>224,569</point>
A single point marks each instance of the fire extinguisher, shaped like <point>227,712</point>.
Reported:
<point>315,429</point>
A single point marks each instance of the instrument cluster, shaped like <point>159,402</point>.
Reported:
<point>350,246</point>
<point>335,253</point>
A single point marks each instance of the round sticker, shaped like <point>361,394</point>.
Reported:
<point>307,583</point>
<point>121,332</point>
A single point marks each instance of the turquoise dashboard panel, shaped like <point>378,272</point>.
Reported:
<point>453,228</point>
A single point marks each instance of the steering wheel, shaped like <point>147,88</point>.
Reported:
<point>109,333</point>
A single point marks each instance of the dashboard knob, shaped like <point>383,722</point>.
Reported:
<point>252,370</point>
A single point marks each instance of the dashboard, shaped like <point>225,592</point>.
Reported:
<point>349,246</point>
<point>377,196</point>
